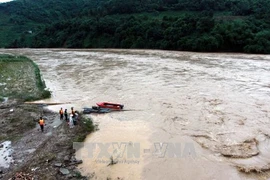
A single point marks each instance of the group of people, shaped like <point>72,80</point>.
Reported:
<point>71,119</point>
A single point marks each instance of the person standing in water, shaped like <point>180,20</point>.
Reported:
<point>61,112</point>
<point>41,124</point>
<point>66,115</point>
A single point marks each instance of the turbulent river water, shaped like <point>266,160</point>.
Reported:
<point>191,115</point>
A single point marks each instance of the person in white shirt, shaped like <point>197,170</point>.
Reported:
<point>71,123</point>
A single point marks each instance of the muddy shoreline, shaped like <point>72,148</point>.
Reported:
<point>37,155</point>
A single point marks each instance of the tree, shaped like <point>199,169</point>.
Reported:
<point>260,44</point>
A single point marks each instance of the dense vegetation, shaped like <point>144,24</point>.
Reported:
<point>196,25</point>
<point>20,78</point>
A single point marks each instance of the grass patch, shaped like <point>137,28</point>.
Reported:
<point>88,124</point>
<point>13,120</point>
<point>13,137</point>
<point>78,175</point>
<point>31,124</point>
<point>2,138</point>
<point>80,138</point>
<point>20,78</point>
<point>86,127</point>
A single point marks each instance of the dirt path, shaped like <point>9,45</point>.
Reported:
<point>31,140</point>
<point>47,155</point>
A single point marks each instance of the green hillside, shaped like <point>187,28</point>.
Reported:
<point>195,25</point>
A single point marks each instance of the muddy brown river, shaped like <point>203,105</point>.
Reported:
<point>188,115</point>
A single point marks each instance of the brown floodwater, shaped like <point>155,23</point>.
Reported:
<point>191,115</point>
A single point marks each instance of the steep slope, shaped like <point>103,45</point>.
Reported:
<point>196,25</point>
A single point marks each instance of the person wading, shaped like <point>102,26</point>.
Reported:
<point>61,112</point>
<point>66,115</point>
<point>41,124</point>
